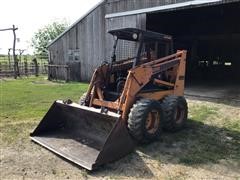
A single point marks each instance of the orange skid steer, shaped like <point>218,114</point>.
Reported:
<point>129,101</point>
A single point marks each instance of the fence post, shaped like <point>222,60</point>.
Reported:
<point>26,68</point>
<point>17,67</point>
<point>36,66</point>
<point>9,59</point>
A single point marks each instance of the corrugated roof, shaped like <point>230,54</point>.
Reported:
<point>161,8</point>
<point>81,18</point>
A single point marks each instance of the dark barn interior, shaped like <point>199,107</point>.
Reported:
<point>210,34</point>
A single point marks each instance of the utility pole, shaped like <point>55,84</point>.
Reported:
<point>14,47</point>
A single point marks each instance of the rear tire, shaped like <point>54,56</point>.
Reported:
<point>144,122</point>
<point>175,111</point>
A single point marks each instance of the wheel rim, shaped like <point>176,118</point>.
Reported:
<point>152,122</point>
<point>179,115</point>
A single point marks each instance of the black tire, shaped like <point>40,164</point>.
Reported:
<point>175,111</point>
<point>140,127</point>
<point>82,100</point>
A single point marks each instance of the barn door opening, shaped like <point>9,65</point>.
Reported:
<point>211,34</point>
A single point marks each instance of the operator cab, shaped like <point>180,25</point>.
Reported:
<point>148,45</point>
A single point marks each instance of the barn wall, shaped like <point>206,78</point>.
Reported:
<point>87,43</point>
<point>91,42</point>
<point>82,47</point>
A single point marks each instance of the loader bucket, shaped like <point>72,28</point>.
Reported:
<point>83,135</point>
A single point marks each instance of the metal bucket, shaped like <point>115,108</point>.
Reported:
<point>83,135</point>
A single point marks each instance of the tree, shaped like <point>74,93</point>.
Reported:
<point>45,35</point>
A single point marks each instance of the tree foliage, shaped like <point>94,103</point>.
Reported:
<point>45,35</point>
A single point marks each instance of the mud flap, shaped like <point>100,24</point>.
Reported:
<point>83,135</point>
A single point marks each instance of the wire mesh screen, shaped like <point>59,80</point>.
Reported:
<point>125,49</point>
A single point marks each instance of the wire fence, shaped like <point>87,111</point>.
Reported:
<point>25,66</point>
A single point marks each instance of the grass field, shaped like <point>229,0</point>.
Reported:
<point>208,148</point>
<point>26,100</point>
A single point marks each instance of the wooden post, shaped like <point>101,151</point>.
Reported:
<point>14,54</point>
<point>14,45</point>
<point>9,59</point>
<point>26,68</point>
<point>36,67</point>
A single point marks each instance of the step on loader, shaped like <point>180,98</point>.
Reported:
<point>129,101</point>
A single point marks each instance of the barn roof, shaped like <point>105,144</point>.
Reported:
<point>193,3</point>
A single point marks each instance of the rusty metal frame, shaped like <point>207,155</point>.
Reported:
<point>137,78</point>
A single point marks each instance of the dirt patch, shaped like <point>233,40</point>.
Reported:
<point>157,161</point>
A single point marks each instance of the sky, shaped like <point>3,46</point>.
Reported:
<point>30,15</point>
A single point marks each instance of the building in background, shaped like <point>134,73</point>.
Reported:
<point>208,29</point>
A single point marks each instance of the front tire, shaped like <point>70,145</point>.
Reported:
<point>144,122</point>
<point>83,99</point>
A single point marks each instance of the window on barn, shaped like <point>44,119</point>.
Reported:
<point>73,55</point>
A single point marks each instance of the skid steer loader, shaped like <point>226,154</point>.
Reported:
<point>129,101</point>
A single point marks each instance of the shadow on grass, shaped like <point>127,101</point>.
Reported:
<point>196,145</point>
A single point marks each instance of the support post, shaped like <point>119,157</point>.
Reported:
<point>9,59</point>
<point>14,54</point>
<point>14,46</point>
<point>36,67</point>
<point>26,68</point>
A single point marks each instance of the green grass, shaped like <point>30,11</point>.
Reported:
<point>210,136</point>
<point>25,101</point>
<point>202,112</point>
